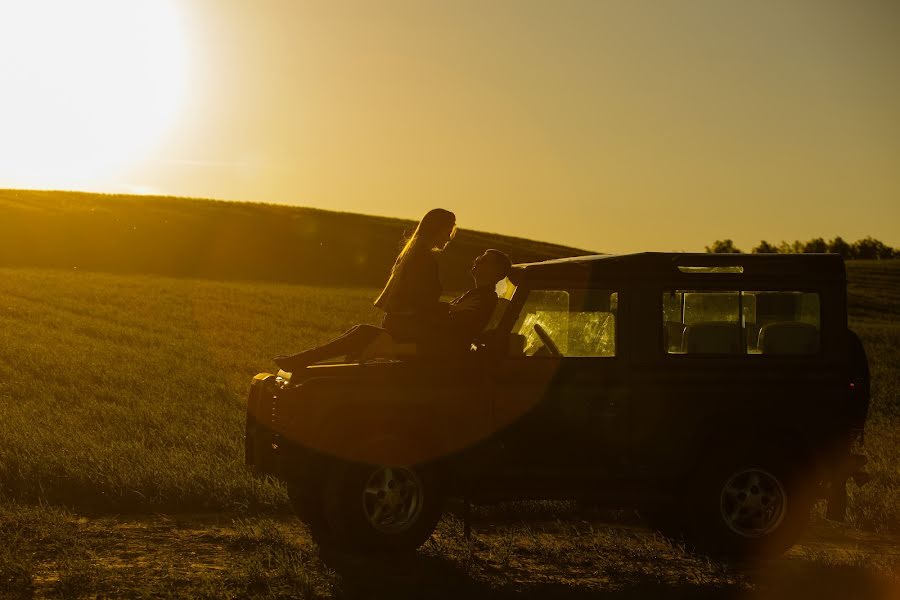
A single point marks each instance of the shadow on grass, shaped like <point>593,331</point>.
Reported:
<point>438,576</point>
<point>789,579</point>
<point>421,576</point>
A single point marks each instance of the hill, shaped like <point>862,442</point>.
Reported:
<point>209,239</point>
<point>873,290</point>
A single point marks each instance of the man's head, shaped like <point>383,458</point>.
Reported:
<point>490,267</point>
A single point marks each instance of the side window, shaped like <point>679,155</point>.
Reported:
<point>745,322</point>
<point>784,323</point>
<point>698,322</point>
<point>579,322</point>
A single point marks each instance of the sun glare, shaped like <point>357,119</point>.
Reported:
<point>87,86</point>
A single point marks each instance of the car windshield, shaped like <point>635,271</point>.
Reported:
<point>580,322</point>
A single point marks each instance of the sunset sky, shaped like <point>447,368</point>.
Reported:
<point>613,126</point>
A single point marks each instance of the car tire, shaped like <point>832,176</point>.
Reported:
<point>258,436</point>
<point>258,447</point>
<point>306,500</point>
<point>750,505</point>
<point>369,508</point>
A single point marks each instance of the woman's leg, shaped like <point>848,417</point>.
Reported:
<point>352,341</point>
<point>384,346</point>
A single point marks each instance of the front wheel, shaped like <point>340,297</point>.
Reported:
<point>306,500</point>
<point>751,505</point>
<point>377,507</point>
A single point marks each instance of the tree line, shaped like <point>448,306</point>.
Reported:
<point>867,248</point>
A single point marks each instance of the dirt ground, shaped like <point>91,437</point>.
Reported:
<point>219,556</point>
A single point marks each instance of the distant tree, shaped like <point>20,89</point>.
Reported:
<point>870,248</point>
<point>722,247</point>
<point>839,246</point>
<point>765,248</point>
<point>796,247</point>
<point>815,246</point>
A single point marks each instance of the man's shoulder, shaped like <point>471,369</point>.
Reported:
<point>486,293</point>
<point>487,300</point>
<point>482,295</point>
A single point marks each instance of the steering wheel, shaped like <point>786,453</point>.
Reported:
<point>547,340</point>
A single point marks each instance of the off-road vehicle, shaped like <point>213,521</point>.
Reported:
<point>720,395</point>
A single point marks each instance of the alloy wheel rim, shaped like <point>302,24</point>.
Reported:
<point>753,503</point>
<point>392,499</point>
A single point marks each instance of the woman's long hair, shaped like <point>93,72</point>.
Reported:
<point>422,239</point>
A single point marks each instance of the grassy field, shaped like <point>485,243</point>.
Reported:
<point>124,394</point>
<point>874,302</point>
<point>127,393</point>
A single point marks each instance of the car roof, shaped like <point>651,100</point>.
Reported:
<point>684,266</point>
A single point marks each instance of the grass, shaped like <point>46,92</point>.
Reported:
<point>874,307</point>
<point>125,394</point>
<point>49,552</point>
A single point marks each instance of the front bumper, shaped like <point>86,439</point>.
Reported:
<point>259,436</point>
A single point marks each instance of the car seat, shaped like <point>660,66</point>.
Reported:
<point>789,337</point>
<point>714,337</point>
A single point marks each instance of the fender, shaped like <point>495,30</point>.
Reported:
<point>723,435</point>
<point>375,424</point>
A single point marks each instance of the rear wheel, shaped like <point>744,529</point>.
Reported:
<point>753,503</point>
<point>750,505</point>
<point>379,507</point>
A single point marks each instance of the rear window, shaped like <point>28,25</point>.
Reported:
<point>741,322</point>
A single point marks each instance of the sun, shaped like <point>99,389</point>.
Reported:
<point>87,87</point>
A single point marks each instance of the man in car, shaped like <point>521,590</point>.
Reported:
<point>462,327</point>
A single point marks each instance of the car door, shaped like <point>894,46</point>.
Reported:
<point>559,412</point>
<point>719,369</point>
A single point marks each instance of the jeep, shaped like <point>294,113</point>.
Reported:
<point>720,395</point>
